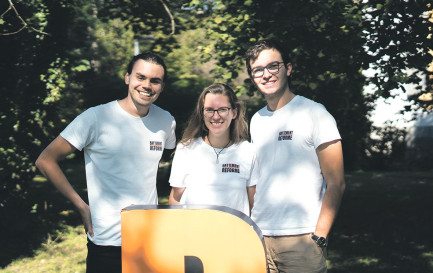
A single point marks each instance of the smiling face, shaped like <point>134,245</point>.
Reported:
<point>271,85</point>
<point>145,83</point>
<point>218,126</point>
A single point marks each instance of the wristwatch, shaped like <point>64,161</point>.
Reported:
<point>320,241</point>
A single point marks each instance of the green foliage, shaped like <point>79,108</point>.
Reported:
<point>188,75</point>
<point>37,70</point>
<point>72,54</point>
<point>398,41</point>
<point>114,39</point>
<point>19,111</point>
<point>386,149</point>
<point>325,42</point>
<point>330,43</point>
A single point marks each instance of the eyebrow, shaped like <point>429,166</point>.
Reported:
<point>210,108</point>
<point>266,65</point>
<point>138,74</point>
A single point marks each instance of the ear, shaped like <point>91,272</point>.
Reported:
<point>235,113</point>
<point>127,78</point>
<point>162,86</point>
<point>289,69</point>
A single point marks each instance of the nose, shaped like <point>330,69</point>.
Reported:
<point>146,84</point>
<point>216,112</point>
<point>267,74</point>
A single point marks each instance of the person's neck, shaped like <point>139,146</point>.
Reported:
<point>277,102</point>
<point>132,108</point>
<point>218,142</point>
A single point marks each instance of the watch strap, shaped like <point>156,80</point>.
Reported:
<point>320,241</point>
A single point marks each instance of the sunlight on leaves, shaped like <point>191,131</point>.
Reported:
<point>66,212</point>
<point>429,257</point>
<point>368,261</point>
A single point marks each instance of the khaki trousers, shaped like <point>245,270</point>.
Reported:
<point>296,253</point>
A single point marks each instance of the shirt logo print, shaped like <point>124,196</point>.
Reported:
<point>285,135</point>
<point>230,168</point>
<point>156,145</point>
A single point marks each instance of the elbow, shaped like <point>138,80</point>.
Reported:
<point>342,187</point>
<point>338,186</point>
<point>40,163</point>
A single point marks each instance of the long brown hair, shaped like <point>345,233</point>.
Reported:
<point>196,127</point>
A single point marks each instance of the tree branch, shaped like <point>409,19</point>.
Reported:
<point>170,15</point>
<point>25,25</point>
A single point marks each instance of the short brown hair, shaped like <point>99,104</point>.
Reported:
<point>253,52</point>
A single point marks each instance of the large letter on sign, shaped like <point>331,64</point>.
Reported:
<point>190,239</point>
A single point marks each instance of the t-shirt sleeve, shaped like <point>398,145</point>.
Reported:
<point>179,167</point>
<point>255,170</point>
<point>171,136</point>
<point>81,131</point>
<point>325,127</point>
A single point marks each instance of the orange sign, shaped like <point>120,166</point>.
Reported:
<point>190,239</point>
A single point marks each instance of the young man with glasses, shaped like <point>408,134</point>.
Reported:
<point>301,166</point>
<point>123,142</point>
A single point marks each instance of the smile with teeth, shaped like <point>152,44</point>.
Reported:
<point>269,83</point>
<point>145,93</point>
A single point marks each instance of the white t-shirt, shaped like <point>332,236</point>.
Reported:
<point>121,153</point>
<point>290,192</point>
<point>210,183</point>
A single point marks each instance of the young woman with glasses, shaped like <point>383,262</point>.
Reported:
<point>214,163</point>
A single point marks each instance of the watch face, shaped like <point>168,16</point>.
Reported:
<point>321,242</point>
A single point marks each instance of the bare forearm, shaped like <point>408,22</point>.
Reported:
<point>330,207</point>
<point>251,191</point>
<point>331,163</point>
<point>47,163</point>
<point>175,195</point>
<point>55,175</point>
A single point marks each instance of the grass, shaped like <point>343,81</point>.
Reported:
<point>383,226</point>
<point>64,253</point>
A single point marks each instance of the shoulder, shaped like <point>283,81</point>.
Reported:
<point>158,111</point>
<point>102,108</point>
<point>309,106</point>
<point>90,113</point>
<point>190,148</point>
<point>191,144</point>
<point>313,105</point>
<point>262,112</point>
<point>159,118</point>
<point>106,106</point>
<point>303,101</point>
<point>245,144</point>
<point>245,147</point>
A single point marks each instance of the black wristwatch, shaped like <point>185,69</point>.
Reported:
<point>320,241</point>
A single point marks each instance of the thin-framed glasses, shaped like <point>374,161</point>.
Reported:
<point>273,68</point>
<point>222,112</point>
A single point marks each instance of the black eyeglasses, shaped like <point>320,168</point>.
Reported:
<point>222,112</point>
<point>273,68</point>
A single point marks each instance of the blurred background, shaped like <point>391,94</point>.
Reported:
<point>369,62</point>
